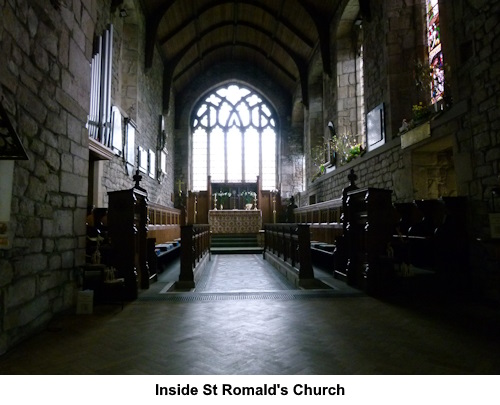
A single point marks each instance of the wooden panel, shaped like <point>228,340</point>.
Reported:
<point>164,233</point>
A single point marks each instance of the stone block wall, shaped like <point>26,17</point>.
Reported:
<point>139,94</point>
<point>392,41</point>
<point>45,87</point>
<point>45,82</point>
<point>385,168</point>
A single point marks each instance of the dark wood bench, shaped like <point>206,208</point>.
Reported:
<point>164,235</point>
<point>327,227</point>
<point>431,237</point>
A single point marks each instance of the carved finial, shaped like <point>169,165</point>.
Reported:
<point>137,178</point>
<point>352,177</point>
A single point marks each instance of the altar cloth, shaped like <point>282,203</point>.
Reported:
<point>235,221</point>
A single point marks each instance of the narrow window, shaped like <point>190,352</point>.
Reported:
<point>435,52</point>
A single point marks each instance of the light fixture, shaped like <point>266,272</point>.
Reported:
<point>123,13</point>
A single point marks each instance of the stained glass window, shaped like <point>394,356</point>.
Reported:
<point>435,51</point>
<point>234,139</point>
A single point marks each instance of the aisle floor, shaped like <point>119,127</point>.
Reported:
<point>244,318</point>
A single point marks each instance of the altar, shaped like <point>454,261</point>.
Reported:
<point>235,221</point>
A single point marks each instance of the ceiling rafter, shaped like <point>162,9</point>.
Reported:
<point>239,43</point>
<point>168,74</point>
<point>153,19</point>
<point>197,28</point>
<point>284,34</point>
<point>322,23</point>
<point>294,55</point>
<point>280,13</point>
<point>299,61</point>
<point>303,38</point>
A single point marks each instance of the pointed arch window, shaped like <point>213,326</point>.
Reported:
<point>234,139</point>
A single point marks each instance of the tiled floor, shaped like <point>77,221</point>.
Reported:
<point>245,319</point>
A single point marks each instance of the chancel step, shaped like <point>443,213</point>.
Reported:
<point>235,243</point>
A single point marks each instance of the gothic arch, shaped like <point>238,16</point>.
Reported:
<point>234,137</point>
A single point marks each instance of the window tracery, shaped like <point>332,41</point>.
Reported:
<point>234,139</point>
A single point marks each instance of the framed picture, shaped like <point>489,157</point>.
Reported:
<point>142,157</point>
<point>375,128</point>
<point>130,150</point>
<point>152,164</point>
<point>117,128</point>
<point>163,162</point>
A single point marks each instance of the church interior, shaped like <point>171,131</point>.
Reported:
<point>316,181</point>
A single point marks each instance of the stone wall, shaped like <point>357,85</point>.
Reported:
<point>45,85</point>
<point>462,155</point>
<point>475,78</point>
<point>45,82</point>
<point>139,94</point>
<point>383,168</point>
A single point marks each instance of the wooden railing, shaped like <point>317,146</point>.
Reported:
<point>195,245</point>
<point>291,244</point>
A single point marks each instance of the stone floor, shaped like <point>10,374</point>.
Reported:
<point>245,319</point>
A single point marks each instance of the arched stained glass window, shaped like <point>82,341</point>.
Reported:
<point>234,139</point>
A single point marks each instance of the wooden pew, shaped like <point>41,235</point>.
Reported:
<point>136,227</point>
<point>165,230</point>
<point>431,237</point>
<point>370,220</point>
<point>327,226</point>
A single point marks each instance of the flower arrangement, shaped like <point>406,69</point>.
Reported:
<point>420,111</point>
<point>249,196</point>
<point>355,151</point>
<point>340,149</point>
<point>345,150</point>
<point>222,195</point>
<point>318,159</point>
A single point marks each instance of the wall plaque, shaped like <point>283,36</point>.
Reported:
<point>375,128</point>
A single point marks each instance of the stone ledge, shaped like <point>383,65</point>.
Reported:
<point>416,135</point>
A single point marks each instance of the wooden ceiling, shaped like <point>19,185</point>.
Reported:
<point>277,36</point>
